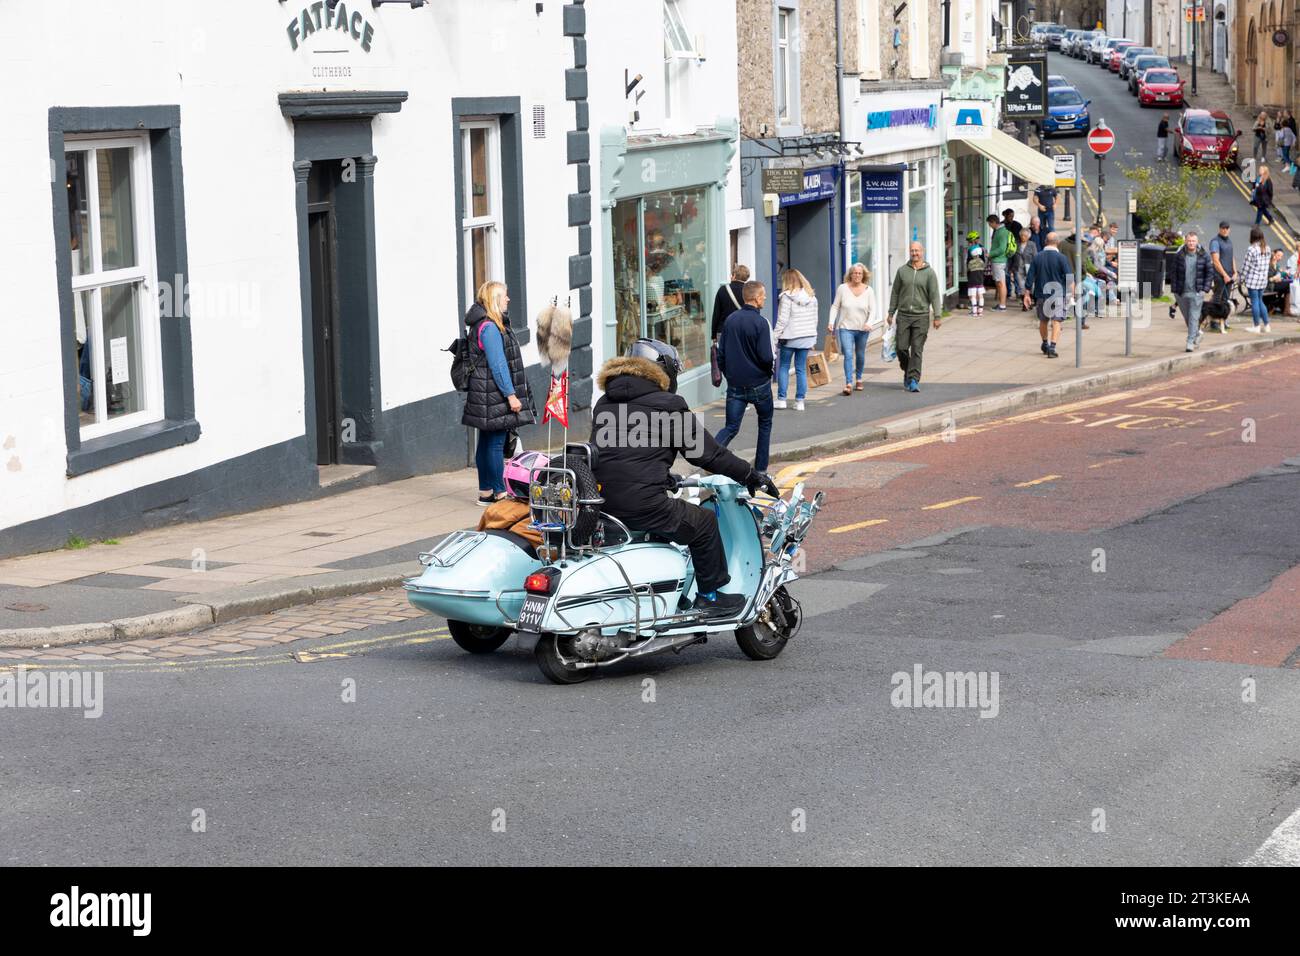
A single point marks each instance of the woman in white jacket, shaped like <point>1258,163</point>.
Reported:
<point>796,334</point>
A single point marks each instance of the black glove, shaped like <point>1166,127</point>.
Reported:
<point>758,481</point>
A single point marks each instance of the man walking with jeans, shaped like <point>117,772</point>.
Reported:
<point>912,300</point>
<point>745,357</point>
<point>1189,280</point>
<point>1225,268</point>
<point>1049,283</point>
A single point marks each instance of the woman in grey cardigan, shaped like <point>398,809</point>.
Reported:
<point>796,333</point>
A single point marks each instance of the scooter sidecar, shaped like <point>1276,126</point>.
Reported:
<point>475,577</point>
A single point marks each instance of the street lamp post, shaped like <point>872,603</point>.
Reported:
<point>1195,32</point>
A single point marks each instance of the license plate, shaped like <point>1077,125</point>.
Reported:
<point>1069,125</point>
<point>1161,96</point>
<point>1213,156</point>
<point>530,615</point>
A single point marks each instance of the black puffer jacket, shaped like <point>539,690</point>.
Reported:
<point>485,407</point>
<point>640,428</point>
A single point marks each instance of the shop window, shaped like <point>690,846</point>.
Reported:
<point>481,233</point>
<point>115,318</point>
<point>869,38</point>
<point>118,203</point>
<point>661,269</point>
<point>918,40</point>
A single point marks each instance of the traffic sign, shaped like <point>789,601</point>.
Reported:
<point>1064,170</point>
<point>1101,141</point>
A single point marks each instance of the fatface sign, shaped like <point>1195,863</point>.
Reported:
<point>320,16</point>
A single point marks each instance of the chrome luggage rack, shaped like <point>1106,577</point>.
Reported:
<point>451,548</point>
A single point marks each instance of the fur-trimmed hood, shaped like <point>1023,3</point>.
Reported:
<point>638,367</point>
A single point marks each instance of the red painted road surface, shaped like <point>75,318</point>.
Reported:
<point>1082,466</point>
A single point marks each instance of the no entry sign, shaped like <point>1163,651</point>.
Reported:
<point>1101,141</point>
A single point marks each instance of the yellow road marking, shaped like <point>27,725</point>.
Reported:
<point>1107,421</point>
<point>949,504</point>
<point>803,471</point>
<point>1108,461</point>
<point>1037,481</point>
<point>1221,431</point>
<point>860,524</point>
<point>1240,185</point>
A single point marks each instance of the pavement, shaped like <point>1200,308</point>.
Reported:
<point>1101,567</point>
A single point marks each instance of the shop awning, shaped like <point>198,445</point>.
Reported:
<point>1015,157</point>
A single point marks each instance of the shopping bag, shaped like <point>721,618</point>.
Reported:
<point>818,372</point>
<point>715,370</point>
<point>831,347</point>
<point>887,351</point>
<point>1293,300</point>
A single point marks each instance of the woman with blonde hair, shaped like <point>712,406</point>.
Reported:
<point>796,334</point>
<point>496,381</point>
<point>851,315</point>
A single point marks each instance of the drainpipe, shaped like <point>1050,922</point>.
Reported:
<point>839,102</point>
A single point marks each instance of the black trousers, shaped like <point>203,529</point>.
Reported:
<point>691,525</point>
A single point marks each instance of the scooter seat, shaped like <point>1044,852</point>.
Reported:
<point>518,540</point>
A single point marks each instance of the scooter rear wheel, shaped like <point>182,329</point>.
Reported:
<point>550,663</point>
<point>478,638</point>
<point>767,636</point>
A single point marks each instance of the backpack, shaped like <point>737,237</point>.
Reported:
<point>1012,245</point>
<point>462,361</point>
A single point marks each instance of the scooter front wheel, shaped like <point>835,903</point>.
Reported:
<point>776,624</point>
<point>478,638</point>
<point>551,662</point>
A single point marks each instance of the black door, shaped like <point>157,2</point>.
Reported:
<point>323,242</point>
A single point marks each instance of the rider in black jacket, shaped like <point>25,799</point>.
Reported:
<point>639,426</point>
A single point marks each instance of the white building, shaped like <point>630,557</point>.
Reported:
<point>253,230</point>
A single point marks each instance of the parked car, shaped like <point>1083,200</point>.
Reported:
<point>1116,52</point>
<point>1141,65</point>
<point>1160,87</point>
<point>1129,55</point>
<point>1069,39</point>
<point>1055,79</point>
<point>1205,138</point>
<point>1095,48</point>
<point>1053,35</point>
<point>1103,54</point>
<point>1067,112</point>
<point>1082,41</point>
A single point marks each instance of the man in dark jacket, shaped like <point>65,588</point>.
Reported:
<point>729,298</point>
<point>1048,285</point>
<point>1189,280</point>
<point>639,426</point>
<point>745,356</point>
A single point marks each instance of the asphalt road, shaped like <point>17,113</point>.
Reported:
<point>1108,742</point>
<point>1135,145</point>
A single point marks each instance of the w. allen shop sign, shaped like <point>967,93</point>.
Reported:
<point>334,18</point>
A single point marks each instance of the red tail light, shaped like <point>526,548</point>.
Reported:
<point>537,584</point>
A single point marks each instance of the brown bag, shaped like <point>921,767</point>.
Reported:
<point>831,347</point>
<point>818,373</point>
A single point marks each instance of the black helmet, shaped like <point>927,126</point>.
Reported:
<point>662,354</point>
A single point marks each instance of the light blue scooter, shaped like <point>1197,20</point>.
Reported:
<point>598,592</point>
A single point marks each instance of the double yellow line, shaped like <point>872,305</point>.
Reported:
<point>1286,238</point>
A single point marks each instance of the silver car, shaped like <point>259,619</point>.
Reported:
<point>1097,44</point>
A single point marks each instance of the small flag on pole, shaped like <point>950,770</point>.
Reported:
<point>557,402</point>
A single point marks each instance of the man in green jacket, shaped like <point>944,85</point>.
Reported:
<point>914,297</point>
<point>999,253</point>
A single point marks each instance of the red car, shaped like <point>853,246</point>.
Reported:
<point>1117,54</point>
<point>1158,87</point>
<point>1205,138</point>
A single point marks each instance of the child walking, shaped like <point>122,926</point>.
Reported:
<point>976,260</point>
